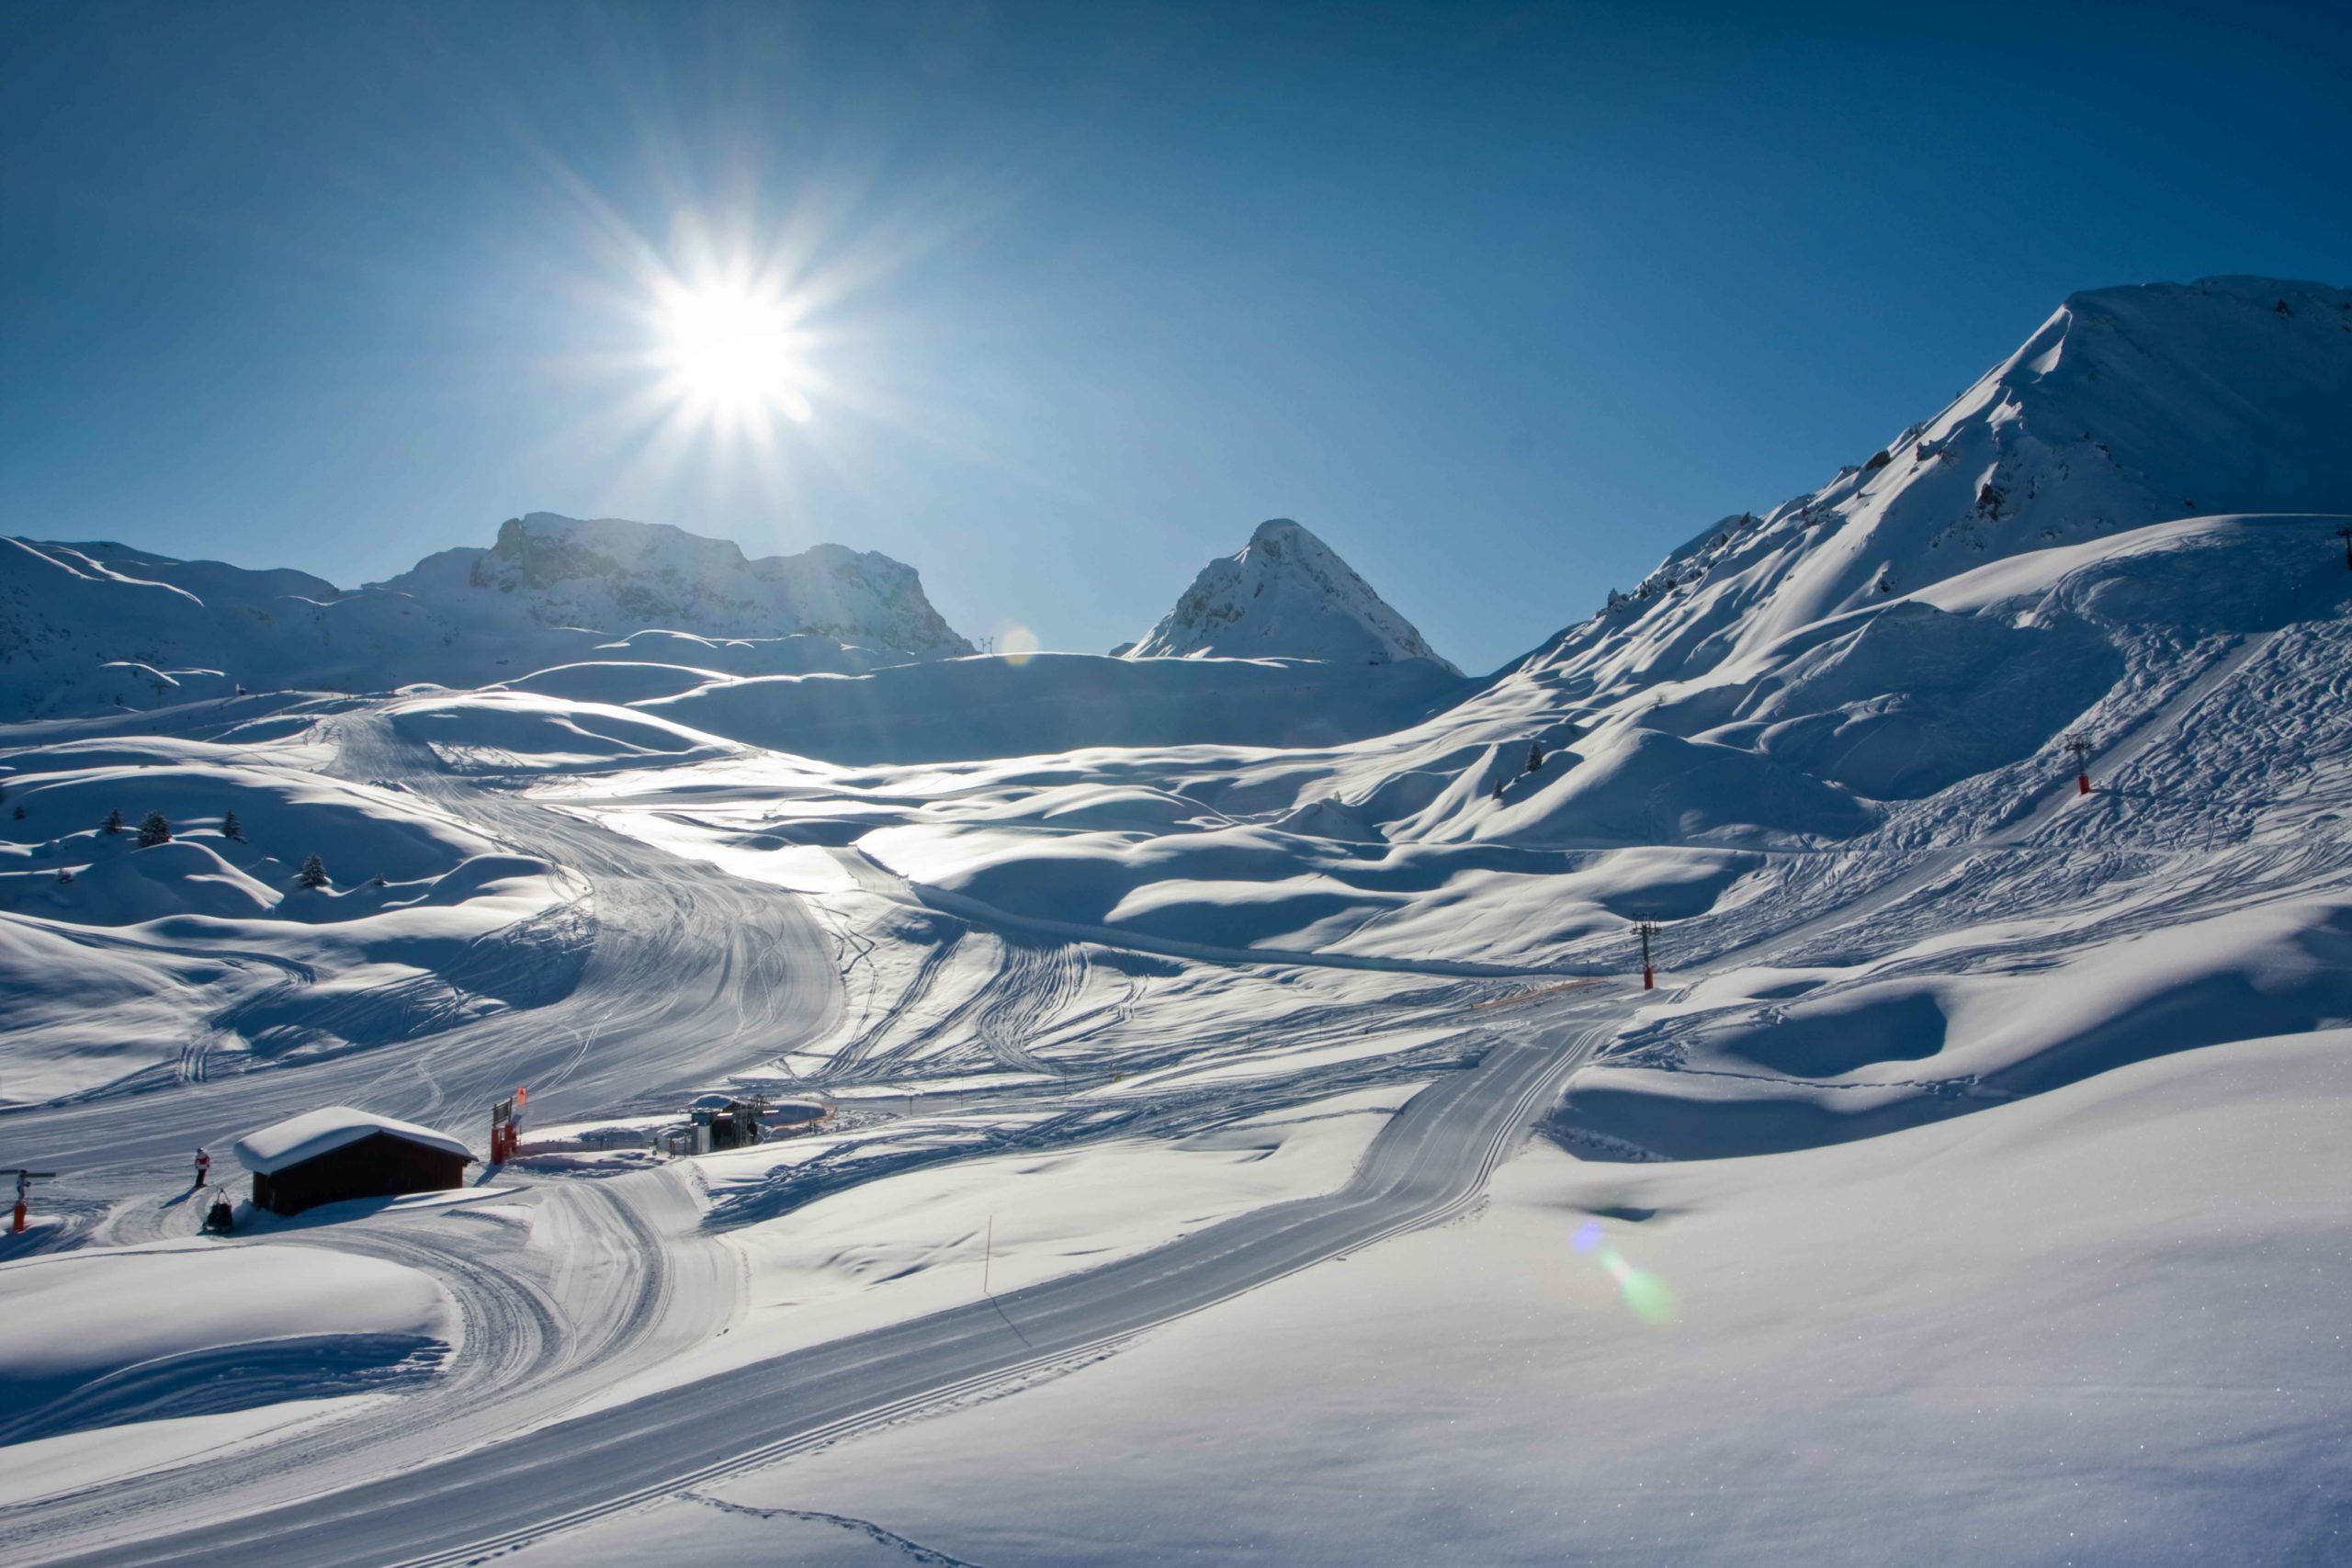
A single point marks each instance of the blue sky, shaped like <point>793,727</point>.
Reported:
<point>1504,301</point>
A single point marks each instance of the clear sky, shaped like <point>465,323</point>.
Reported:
<point>1502,301</point>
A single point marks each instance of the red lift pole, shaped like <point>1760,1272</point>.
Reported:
<point>1646,930</point>
<point>2078,746</point>
<point>25,1180</point>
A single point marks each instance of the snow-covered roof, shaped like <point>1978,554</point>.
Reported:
<point>313,1133</point>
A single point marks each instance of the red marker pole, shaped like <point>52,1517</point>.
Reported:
<point>2083,784</point>
<point>25,1180</point>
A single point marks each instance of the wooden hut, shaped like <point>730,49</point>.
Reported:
<point>331,1155</point>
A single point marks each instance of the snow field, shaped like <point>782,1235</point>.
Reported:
<point>2098,1326</point>
<point>206,952</point>
<point>1114,928</point>
<point>898,1248</point>
<point>176,1347</point>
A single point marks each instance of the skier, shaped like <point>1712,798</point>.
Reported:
<point>203,1168</point>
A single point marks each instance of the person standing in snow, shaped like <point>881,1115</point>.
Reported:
<point>203,1168</point>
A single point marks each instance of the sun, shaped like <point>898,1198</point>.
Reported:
<point>731,349</point>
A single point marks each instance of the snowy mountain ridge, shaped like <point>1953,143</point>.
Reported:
<point>88,626</point>
<point>1284,594</point>
<point>2129,406</point>
<point>616,575</point>
<point>1292,928</point>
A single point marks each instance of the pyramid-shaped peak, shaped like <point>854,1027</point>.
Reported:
<point>1275,530</point>
<point>1286,594</point>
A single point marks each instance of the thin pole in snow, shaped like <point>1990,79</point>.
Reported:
<point>2078,745</point>
<point>988,1256</point>
<point>1646,930</point>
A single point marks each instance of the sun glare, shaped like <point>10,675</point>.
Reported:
<point>731,350</point>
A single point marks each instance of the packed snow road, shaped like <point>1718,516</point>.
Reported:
<point>687,973</point>
<point>1430,1163</point>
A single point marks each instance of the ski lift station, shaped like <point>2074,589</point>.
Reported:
<point>726,1121</point>
<point>332,1155</point>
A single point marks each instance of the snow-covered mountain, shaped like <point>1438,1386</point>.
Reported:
<point>622,576</point>
<point>2129,406</point>
<point>1893,662</point>
<point>1286,594</point>
<point>1210,934</point>
<point>87,628</point>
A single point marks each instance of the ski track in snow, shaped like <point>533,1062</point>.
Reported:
<point>1743,737</point>
<point>1427,1165</point>
<point>976,998</point>
<point>548,1323</point>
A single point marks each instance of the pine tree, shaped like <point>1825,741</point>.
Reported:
<point>313,872</point>
<point>1534,756</point>
<point>20,814</point>
<point>154,829</point>
<point>64,875</point>
<point>113,824</point>
<point>232,830</point>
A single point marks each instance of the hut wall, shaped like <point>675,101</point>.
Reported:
<point>379,1165</point>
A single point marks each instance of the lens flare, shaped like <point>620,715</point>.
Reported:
<point>1645,1295</point>
<point>1017,643</point>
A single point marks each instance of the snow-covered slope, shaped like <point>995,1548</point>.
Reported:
<point>1012,705</point>
<point>198,946</point>
<point>1940,1046</point>
<point>2129,406</point>
<point>1887,666</point>
<point>92,627</point>
<point>1285,596</point>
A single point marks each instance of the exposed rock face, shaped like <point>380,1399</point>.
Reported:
<point>1285,596</point>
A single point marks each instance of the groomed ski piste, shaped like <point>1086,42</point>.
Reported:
<point>1248,1137</point>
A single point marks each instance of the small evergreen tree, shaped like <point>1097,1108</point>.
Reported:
<point>232,830</point>
<point>380,880</point>
<point>113,824</point>
<point>1534,756</point>
<point>20,814</point>
<point>154,829</point>
<point>64,875</point>
<point>313,872</point>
